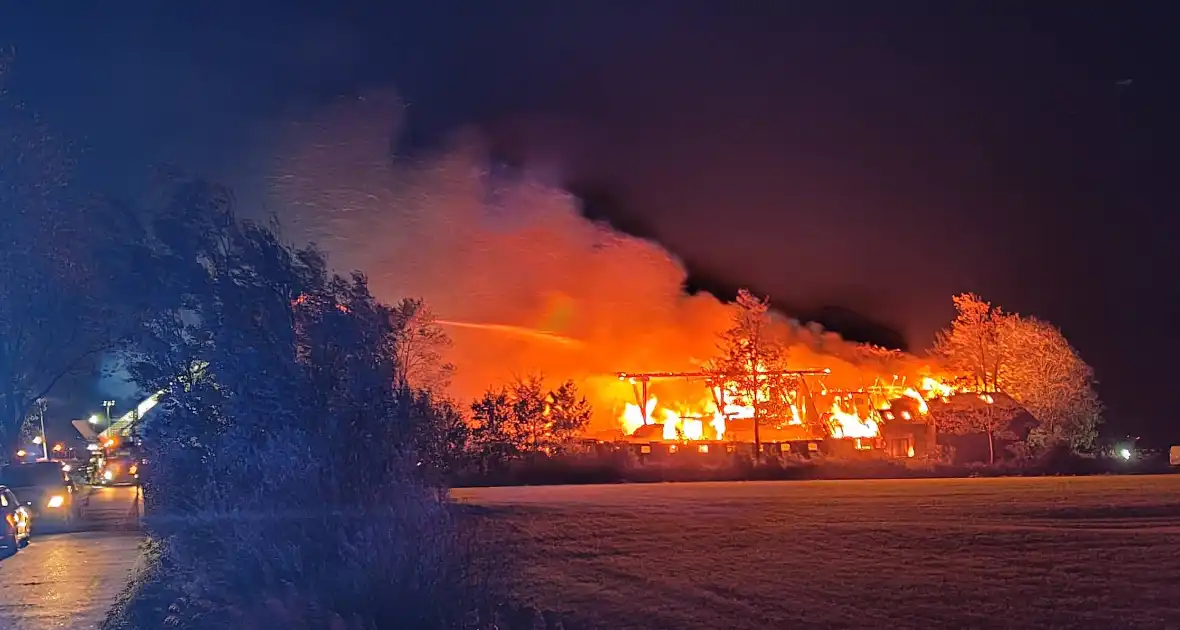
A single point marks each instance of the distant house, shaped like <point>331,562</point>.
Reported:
<point>973,447</point>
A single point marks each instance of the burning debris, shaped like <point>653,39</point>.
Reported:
<point>749,395</point>
<point>813,412</point>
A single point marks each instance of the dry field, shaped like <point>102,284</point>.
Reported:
<point>1088,552</point>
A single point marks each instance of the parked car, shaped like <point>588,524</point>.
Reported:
<point>46,491</point>
<point>18,523</point>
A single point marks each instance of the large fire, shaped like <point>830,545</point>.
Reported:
<point>525,285</point>
<point>860,414</point>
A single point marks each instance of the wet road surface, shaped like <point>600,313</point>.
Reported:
<point>68,581</point>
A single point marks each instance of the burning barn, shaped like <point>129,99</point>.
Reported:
<point>799,415</point>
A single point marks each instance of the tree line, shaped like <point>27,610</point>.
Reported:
<point>1008,366</point>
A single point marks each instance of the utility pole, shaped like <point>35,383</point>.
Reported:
<point>108,404</point>
<point>44,438</point>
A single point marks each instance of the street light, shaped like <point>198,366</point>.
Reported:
<point>44,446</point>
<point>108,404</point>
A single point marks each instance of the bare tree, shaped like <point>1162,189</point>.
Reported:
<point>747,349</point>
<point>419,345</point>
<point>975,344</point>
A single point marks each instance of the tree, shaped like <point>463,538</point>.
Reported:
<point>569,413</point>
<point>748,350</point>
<point>281,409</point>
<point>442,434</point>
<point>529,414</point>
<point>990,414</point>
<point>419,346</point>
<point>493,432</point>
<point>1051,381</point>
<point>975,344</point>
<point>1029,360</point>
<point>77,280</point>
<point>525,418</point>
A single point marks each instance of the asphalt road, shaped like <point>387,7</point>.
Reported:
<point>68,581</point>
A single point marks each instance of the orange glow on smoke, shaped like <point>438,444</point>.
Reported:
<point>523,284</point>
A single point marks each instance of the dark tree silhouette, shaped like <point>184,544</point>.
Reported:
<point>525,418</point>
<point>419,346</point>
<point>493,433</point>
<point>284,422</point>
<point>76,276</point>
<point>569,413</point>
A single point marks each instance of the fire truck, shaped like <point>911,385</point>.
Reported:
<point>117,454</point>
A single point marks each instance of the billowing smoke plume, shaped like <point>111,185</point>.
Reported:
<point>503,255</point>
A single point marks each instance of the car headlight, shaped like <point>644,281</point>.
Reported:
<point>56,501</point>
<point>108,475</point>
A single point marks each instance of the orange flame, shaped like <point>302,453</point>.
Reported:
<point>850,425</point>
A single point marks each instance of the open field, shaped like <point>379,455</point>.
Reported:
<point>1099,552</point>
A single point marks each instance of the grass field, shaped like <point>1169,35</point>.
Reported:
<point>1093,552</point>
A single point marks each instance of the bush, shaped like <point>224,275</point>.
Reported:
<point>380,570</point>
<point>283,549</point>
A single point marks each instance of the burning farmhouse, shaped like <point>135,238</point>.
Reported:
<point>783,411</point>
<point>851,398</point>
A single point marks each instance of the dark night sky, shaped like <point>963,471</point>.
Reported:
<point>877,156</point>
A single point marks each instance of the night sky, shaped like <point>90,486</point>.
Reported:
<point>860,162</point>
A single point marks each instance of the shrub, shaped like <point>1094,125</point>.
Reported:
<point>283,544</point>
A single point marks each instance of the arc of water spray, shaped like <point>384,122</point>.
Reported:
<point>521,331</point>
